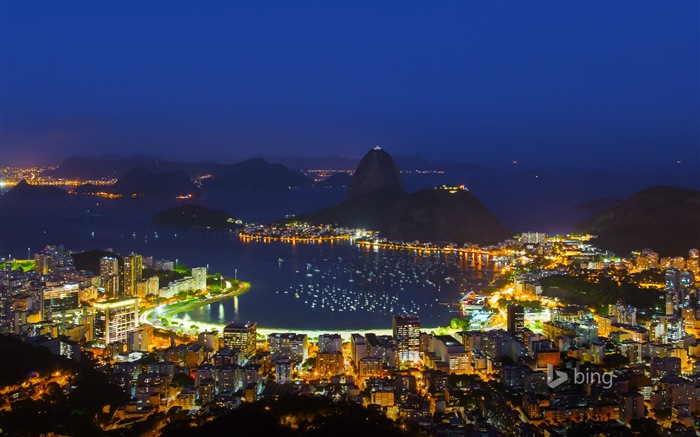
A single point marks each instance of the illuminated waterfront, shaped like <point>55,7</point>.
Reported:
<point>125,226</point>
<point>345,287</point>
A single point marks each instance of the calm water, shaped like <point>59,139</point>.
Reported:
<point>316,286</point>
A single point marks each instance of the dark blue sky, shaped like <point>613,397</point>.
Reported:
<point>596,83</point>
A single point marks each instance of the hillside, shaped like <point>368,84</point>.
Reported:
<point>75,410</point>
<point>141,182</point>
<point>90,260</point>
<point>195,216</point>
<point>377,172</point>
<point>666,219</point>
<point>257,174</point>
<point>376,201</point>
<point>427,215</point>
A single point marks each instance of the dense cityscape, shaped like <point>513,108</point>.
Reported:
<point>566,336</point>
<point>310,219</point>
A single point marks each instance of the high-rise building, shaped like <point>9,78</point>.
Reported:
<point>199,274</point>
<point>146,287</point>
<point>369,366</point>
<point>53,258</point>
<point>673,328</point>
<point>109,275</point>
<point>43,262</point>
<point>641,263</point>
<point>288,346</point>
<point>330,363</point>
<point>652,260</point>
<point>242,336</point>
<point>138,340</point>
<point>693,265</point>
<point>109,266</point>
<point>623,313</point>
<point>687,279</point>
<point>451,352</point>
<point>61,298</point>
<point>114,319</point>
<point>357,348</point>
<point>516,319</point>
<point>678,263</point>
<point>283,371</point>
<point>673,280</point>
<point>328,343</point>
<point>631,406</point>
<point>407,336</point>
<point>133,269</point>
<point>533,238</point>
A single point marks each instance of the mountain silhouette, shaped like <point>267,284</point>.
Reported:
<point>666,219</point>
<point>377,172</point>
<point>24,189</point>
<point>257,174</point>
<point>141,182</point>
<point>376,201</point>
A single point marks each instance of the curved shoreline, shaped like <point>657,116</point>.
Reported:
<point>168,311</point>
<point>151,315</point>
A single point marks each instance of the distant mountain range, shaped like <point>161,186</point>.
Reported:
<point>23,190</point>
<point>524,198</point>
<point>117,166</point>
<point>376,201</point>
<point>141,182</point>
<point>136,171</point>
<point>666,219</point>
<point>339,163</point>
<point>256,174</point>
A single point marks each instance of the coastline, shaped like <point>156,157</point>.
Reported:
<point>150,315</point>
<point>168,311</point>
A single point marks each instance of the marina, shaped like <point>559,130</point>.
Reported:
<point>360,287</point>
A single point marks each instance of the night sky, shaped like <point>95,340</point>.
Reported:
<point>592,83</point>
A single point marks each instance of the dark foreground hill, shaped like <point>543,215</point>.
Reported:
<point>427,215</point>
<point>195,217</point>
<point>666,219</point>
<point>24,190</point>
<point>290,416</point>
<point>75,410</point>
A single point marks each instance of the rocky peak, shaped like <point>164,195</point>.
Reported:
<point>377,172</point>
